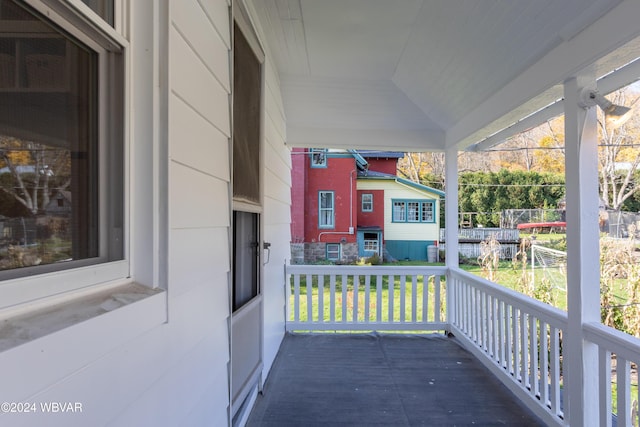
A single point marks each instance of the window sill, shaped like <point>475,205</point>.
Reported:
<point>25,327</point>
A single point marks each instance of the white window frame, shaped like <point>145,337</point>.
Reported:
<point>399,211</point>
<point>321,210</point>
<point>430,211</point>
<point>368,203</point>
<point>371,245</point>
<point>112,49</point>
<point>323,163</point>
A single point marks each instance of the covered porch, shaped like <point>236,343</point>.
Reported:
<point>448,77</point>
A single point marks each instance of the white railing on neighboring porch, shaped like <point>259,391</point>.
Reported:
<point>378,298</point>
<point>520,337</point>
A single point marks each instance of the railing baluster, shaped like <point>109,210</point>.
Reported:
<point>425,298</point>
<point>491,302</point>
<point>524,349</point>
<point>390,290</point>
<point>321,298</point>
<point>403,297</point>
<point>623,374</point>
<point>501,338</point>
<point>414,298</point>
<point>345,297</point>
<point>544,363</point>
<point>533,356</point>
<point>604,384</point>
<point>516,343</point>
<point>474,314</point>
<point>356,286</point>
<point>332,299</point>
<point>379,298</point>
<point>436,298</point>
<point>367,298</point>
<point>555,370</point>
<point>485,321</point>
<point>296,297</point>
<point>309,288</point>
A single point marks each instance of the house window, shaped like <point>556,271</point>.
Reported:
<point>333,251</point>
<point>399,212</point>
<point>318,158</point>
<point>413,211</point>
<point>426,214</point>
<point>61,121</point>
<point>416,211</point>
<point>371,243</point>
<point>247,101</point>
<point>326,215</point>
<point>367,202</point>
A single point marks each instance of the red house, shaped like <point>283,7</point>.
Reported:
<point>348,204</point>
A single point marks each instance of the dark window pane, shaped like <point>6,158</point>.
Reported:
<point>104,8</point>
<point>245,259</point>
<point>48,143</point>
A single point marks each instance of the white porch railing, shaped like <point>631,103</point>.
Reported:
<point>618,358</point>
<point>518,338</point>
<point>348,298</point>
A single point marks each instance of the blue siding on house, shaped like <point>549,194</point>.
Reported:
<point>408,249</point>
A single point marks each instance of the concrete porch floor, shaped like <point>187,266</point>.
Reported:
<point>383,380</point>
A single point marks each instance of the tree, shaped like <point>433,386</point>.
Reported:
<point>35,169</point>
<point>618,155</point>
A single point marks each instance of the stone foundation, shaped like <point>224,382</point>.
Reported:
<point>315,252</point>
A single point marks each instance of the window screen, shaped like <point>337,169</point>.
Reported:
<point>246,118</point>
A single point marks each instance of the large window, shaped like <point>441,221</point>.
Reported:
<point>420,211</point>
<point>326,215</point>
<point>61,141</point>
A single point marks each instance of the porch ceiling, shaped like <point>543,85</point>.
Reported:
<point>428,74</point>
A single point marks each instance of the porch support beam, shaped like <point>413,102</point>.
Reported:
<point>451,207</point>
<point>583,255</point>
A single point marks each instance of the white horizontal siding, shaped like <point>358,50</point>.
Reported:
<point>196,200</point>
<point>194,83</point>
<point>163,360</point>
<point>198,143</point>
<point>277,208</point>
<point>205,262</point>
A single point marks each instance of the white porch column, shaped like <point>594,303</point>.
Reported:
<point>583,257</point>
<point>451,207</point>
<point>451,221</point>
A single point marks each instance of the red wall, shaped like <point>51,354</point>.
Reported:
<point>298,184</point>
<point>340,177</point>
<point>375,218</point>
<point>389,166</point>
